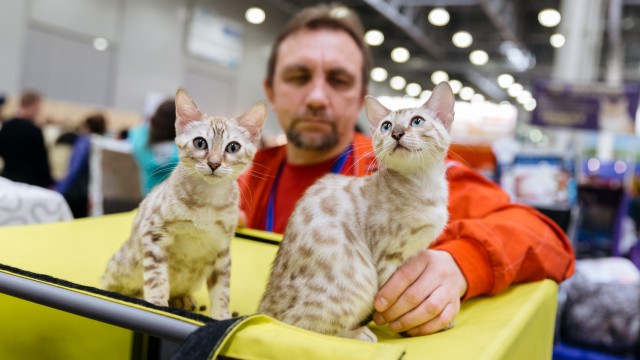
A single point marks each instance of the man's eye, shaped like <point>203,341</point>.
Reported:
<point>297,79</point>
<point>340,83</point>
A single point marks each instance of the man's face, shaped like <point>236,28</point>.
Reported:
<point>317,88</point>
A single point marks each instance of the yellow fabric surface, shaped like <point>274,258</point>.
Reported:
<point>517,324</point>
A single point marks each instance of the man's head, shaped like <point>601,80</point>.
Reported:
<point>317,77</point>
<point>30,102</point>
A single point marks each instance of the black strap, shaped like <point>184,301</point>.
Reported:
<point>203,343</point>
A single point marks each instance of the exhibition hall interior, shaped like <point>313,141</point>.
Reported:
<point>546,111</point>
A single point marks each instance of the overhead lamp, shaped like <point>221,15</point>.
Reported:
<point>557,40</point>
<point>379,74</point>
<point>255,15</point>
<point>425,94</point>
<point>439,76</point>
<point>530,105</point>
<point>521,59</point>
<point>413,89</point>
<point>523,97</point>
<point>400,54</point>
<point>479,57</point>
<point>466,93</point>
<point>549,17</point>
<point>462,39</point>
<point>476,98</point>
<point>340,12</point>
<point>397,83</point>
<point>514,90</point>
<point>456,85</point>
<point>505,80</point>
<point>374,37</point>
<point>100,44</point>
<point>438,16</point>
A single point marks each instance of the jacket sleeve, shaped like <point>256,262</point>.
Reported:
<point>497,243</point>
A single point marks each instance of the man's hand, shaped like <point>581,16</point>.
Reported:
<point>423,296</point>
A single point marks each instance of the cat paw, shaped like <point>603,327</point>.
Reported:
<point>220,314</point>
<point>186,302</point>
<point>362,333</point>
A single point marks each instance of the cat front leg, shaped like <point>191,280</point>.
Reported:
<point>362,333</point>
<point>155,269</point>
<point>218,285</point>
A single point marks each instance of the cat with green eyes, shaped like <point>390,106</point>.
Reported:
<point>182,231</point>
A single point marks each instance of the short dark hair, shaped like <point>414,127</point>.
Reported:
<point>30,98</point>
<point>96,123</point>
<point>162,126</point>
<point>325,16</point>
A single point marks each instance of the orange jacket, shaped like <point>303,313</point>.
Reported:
<point>495,242</point>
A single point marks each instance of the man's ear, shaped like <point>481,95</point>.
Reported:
<point>268,90</point>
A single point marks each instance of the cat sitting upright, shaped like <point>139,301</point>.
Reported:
<point>348,235</point>
<point>182,231</point>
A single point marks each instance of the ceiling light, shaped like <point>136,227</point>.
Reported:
<point>397,82</point>
<point>477,98</point>
<point>530,105</point>
<point>557,40</point>
<point>413,89</point>
<point>549,17</point>
<point>340,12</point>
<point>466,93</point>
<point>455,86</point>
<point>505,80</point>
<point>100,44</point>
<point>462,39</point>
<point>523,97</point>
<point>378,74</point>
<point>438,16</point>
<point>374,37</point>
<point>479,57</point>
<point>425,94</point>
<point>400,55</point>
<point>514,90</point>
<point>439,76</point>
<point>255,15</point>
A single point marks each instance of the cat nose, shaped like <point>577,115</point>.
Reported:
<point>213,166</point>
<point>397,134</point>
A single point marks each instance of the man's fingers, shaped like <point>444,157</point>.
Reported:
<point>400,281</point>
<point>429,308</point>
<point>440,322</point>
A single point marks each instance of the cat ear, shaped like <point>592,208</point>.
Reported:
<point>186,110</point>
<point>441,103</point>
<point>375,111</point>
<point>254,119</point>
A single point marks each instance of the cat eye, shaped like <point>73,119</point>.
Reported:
<point>200,143</point>
<point>233,147</point>
<point>386,126</point>
<point>417,121</point>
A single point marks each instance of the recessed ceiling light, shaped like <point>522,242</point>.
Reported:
<point>557,40</point>
<point>374,37</point>
<point>455,86</point>
<point>439,76</point>
<point>340,12</point>
<point>479,57</point>
<point>413,89</point>
<point>379,74</point>
<point>400,54</point>
<point>425,94</point>
<point>505,80</point>
<point>476,98</point>
<point>530,105</point>
<point>255,15</point>
<point>462,39</point>
<point>100,44</point>
<point>466,93</point>
<point>397,82</point>
<point>514,90</point>
<point>549,17</point>
<point>438,16</point>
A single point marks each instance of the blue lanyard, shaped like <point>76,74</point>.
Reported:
<point>337,168</point>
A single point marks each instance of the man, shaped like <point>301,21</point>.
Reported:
<point>316,82</point>
<point>22,145</point>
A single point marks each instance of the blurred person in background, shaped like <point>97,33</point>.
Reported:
<point>154,147</point>
<point>75,185</point>
<point>22,145</point>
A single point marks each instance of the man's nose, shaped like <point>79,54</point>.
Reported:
<point>318,96</point>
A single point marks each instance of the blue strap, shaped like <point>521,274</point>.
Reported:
<point>337,168</point>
